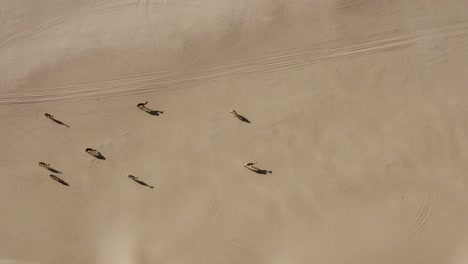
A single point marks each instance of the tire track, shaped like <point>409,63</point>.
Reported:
<point>377,244</point>
<point>113,6</point>
<point>53,20</point>
<point>294,61</point>
<point>2,17</point>
<point>422,215</point>
<point>175,78</point>
<point>456,52</point>
<point>77,26</point>
<point>9,22</point>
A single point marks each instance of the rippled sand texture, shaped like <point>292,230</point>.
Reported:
<point>358,107</point>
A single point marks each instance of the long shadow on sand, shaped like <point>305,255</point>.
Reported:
<point>47,166</point>
<point>99,156</point>
<point>243,119</point>
<point>150,111</point>
<point>54,170</point>
<point>51,117</point>
<point>259,171</point>
<point>135,179</point>
<point>60,122</point>
<point>59,180</point>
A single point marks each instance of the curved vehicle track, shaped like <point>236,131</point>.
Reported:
<point>173,79</point>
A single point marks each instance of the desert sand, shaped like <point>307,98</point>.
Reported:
<point>359,108</point>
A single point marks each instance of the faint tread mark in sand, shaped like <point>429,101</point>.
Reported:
<point>432,181</point>
<point>377,244</point>
<point>422,215</point>
<point>454,52</point>
<point>243,67</point>
<point>352,4</point>
<point>54,19</point>
<point>51,21</point>
<point>77,29</point>
<point>2,17</point>
<point>11,19</point>
<point>147,4</point>
<point>112,6</point>
<point>16,261</point>
<point>238,241</point>
<point>177,78</point>
<point>180,147</point>
<point>420,218</point>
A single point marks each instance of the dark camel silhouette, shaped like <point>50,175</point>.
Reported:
<point>137,180</point>
<point>51,117</point>
<point>59,180</point>
<point>95,153</point>
<point>143,107</point>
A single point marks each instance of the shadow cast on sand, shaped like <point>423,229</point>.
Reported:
<point>135,179</point>
<point>51,117</point>
<point>59,180</point>
<point>243,119</point>
<point>54,170</point>
<point>99,156</point>
<point>47,166</point>
<point>151,112</point>
<point>59,122</point>
<point>259,171</point>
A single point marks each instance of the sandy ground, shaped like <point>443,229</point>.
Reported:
<point>358,107</point>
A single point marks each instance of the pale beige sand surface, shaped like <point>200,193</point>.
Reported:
<point>358,107</point>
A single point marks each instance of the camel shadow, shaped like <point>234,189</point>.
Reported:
<point>54,170</point>
<point>99,156</point>
<point>154,112</point>
<point>55,178</point>
<point>259,171</point>
<point>59,122</point>
<point>141,182</point>
<point>151,112</point>
<point>47,166</point>
<point>51,117</point>
<point>243,119</point>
